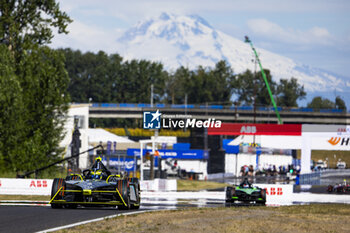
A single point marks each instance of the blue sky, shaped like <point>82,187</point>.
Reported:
<point>312,32</point>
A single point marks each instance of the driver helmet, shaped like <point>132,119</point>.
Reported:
<point>98,163</point>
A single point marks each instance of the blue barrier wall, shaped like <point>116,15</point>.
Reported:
<point>192,106</point>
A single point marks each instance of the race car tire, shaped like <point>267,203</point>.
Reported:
<point>229,194</point>
<point>125,192</point>
<point>263,196</point>
<point>56,185</point>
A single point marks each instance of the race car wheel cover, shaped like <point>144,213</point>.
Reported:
<point>137,190</point>
<point>125,192</point>
<point>56,185</point>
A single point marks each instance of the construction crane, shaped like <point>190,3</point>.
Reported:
<point>247,40</point>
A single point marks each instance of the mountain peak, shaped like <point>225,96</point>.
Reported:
<point>164,16</point>
<point>190,41</point>
<point>169,26</point>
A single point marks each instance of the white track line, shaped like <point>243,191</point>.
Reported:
<point>23,204</point>
<point>29,201</point>
<point>92,220</point>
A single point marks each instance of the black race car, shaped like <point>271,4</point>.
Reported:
<point>245,193</point>
<point>96,187</point>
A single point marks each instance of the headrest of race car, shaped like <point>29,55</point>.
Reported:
<point>98,172</point>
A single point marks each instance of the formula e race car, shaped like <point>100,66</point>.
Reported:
<point>339,188</point>
<point>245,193</point>
<point>96,187</point>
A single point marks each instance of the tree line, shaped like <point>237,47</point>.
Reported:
<point>99,77</point>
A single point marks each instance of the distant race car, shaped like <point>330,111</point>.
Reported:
<point>96,187</point>
<point>245,193</point>
<point>339,188</point>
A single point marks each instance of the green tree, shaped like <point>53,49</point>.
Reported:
<point>203,85</point>
<point>249,85</point>
<point>318,103</point>
<point>136,78</point>
<point>26,23</point>
<point>34,78</point>
<point>289,91</point>
<point>223,82</point>
<point>11,113</point>
<point>176,85</point>
<point>340,104</point>
<point>44,82</point>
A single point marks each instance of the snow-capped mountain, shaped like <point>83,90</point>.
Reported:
<point>190,41</point>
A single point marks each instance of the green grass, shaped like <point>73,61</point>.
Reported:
<point>24,197</point>
<point>51,173</point>
<point>196,185</point>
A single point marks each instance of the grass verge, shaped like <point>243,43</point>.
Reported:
<point>196,185</point>
<point>331,156</point>
<point>24,197</point>
<point>305,218</point>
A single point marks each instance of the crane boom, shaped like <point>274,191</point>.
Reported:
<point>247,40</point>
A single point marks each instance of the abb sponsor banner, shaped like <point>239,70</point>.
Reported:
<point>10,186</point>
<point>256,129</point>
<point>278,194</point>
<point>43,186</point>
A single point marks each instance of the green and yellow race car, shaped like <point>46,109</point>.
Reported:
<point>245,193</point>
<point>96,187</point>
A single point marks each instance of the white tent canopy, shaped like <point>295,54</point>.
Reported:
<point>101,135</point>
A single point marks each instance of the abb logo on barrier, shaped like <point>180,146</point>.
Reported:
<point>274,191</point>
<point>248,129</point>
<point>38,184</point>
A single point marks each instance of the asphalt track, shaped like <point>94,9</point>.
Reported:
<point>38,218</point>
<point>29,218</point>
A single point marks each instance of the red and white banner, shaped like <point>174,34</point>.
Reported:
<point>25,186</point>
<point>10,186</point>
<point>256,129</point>
<point>278,194</point>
